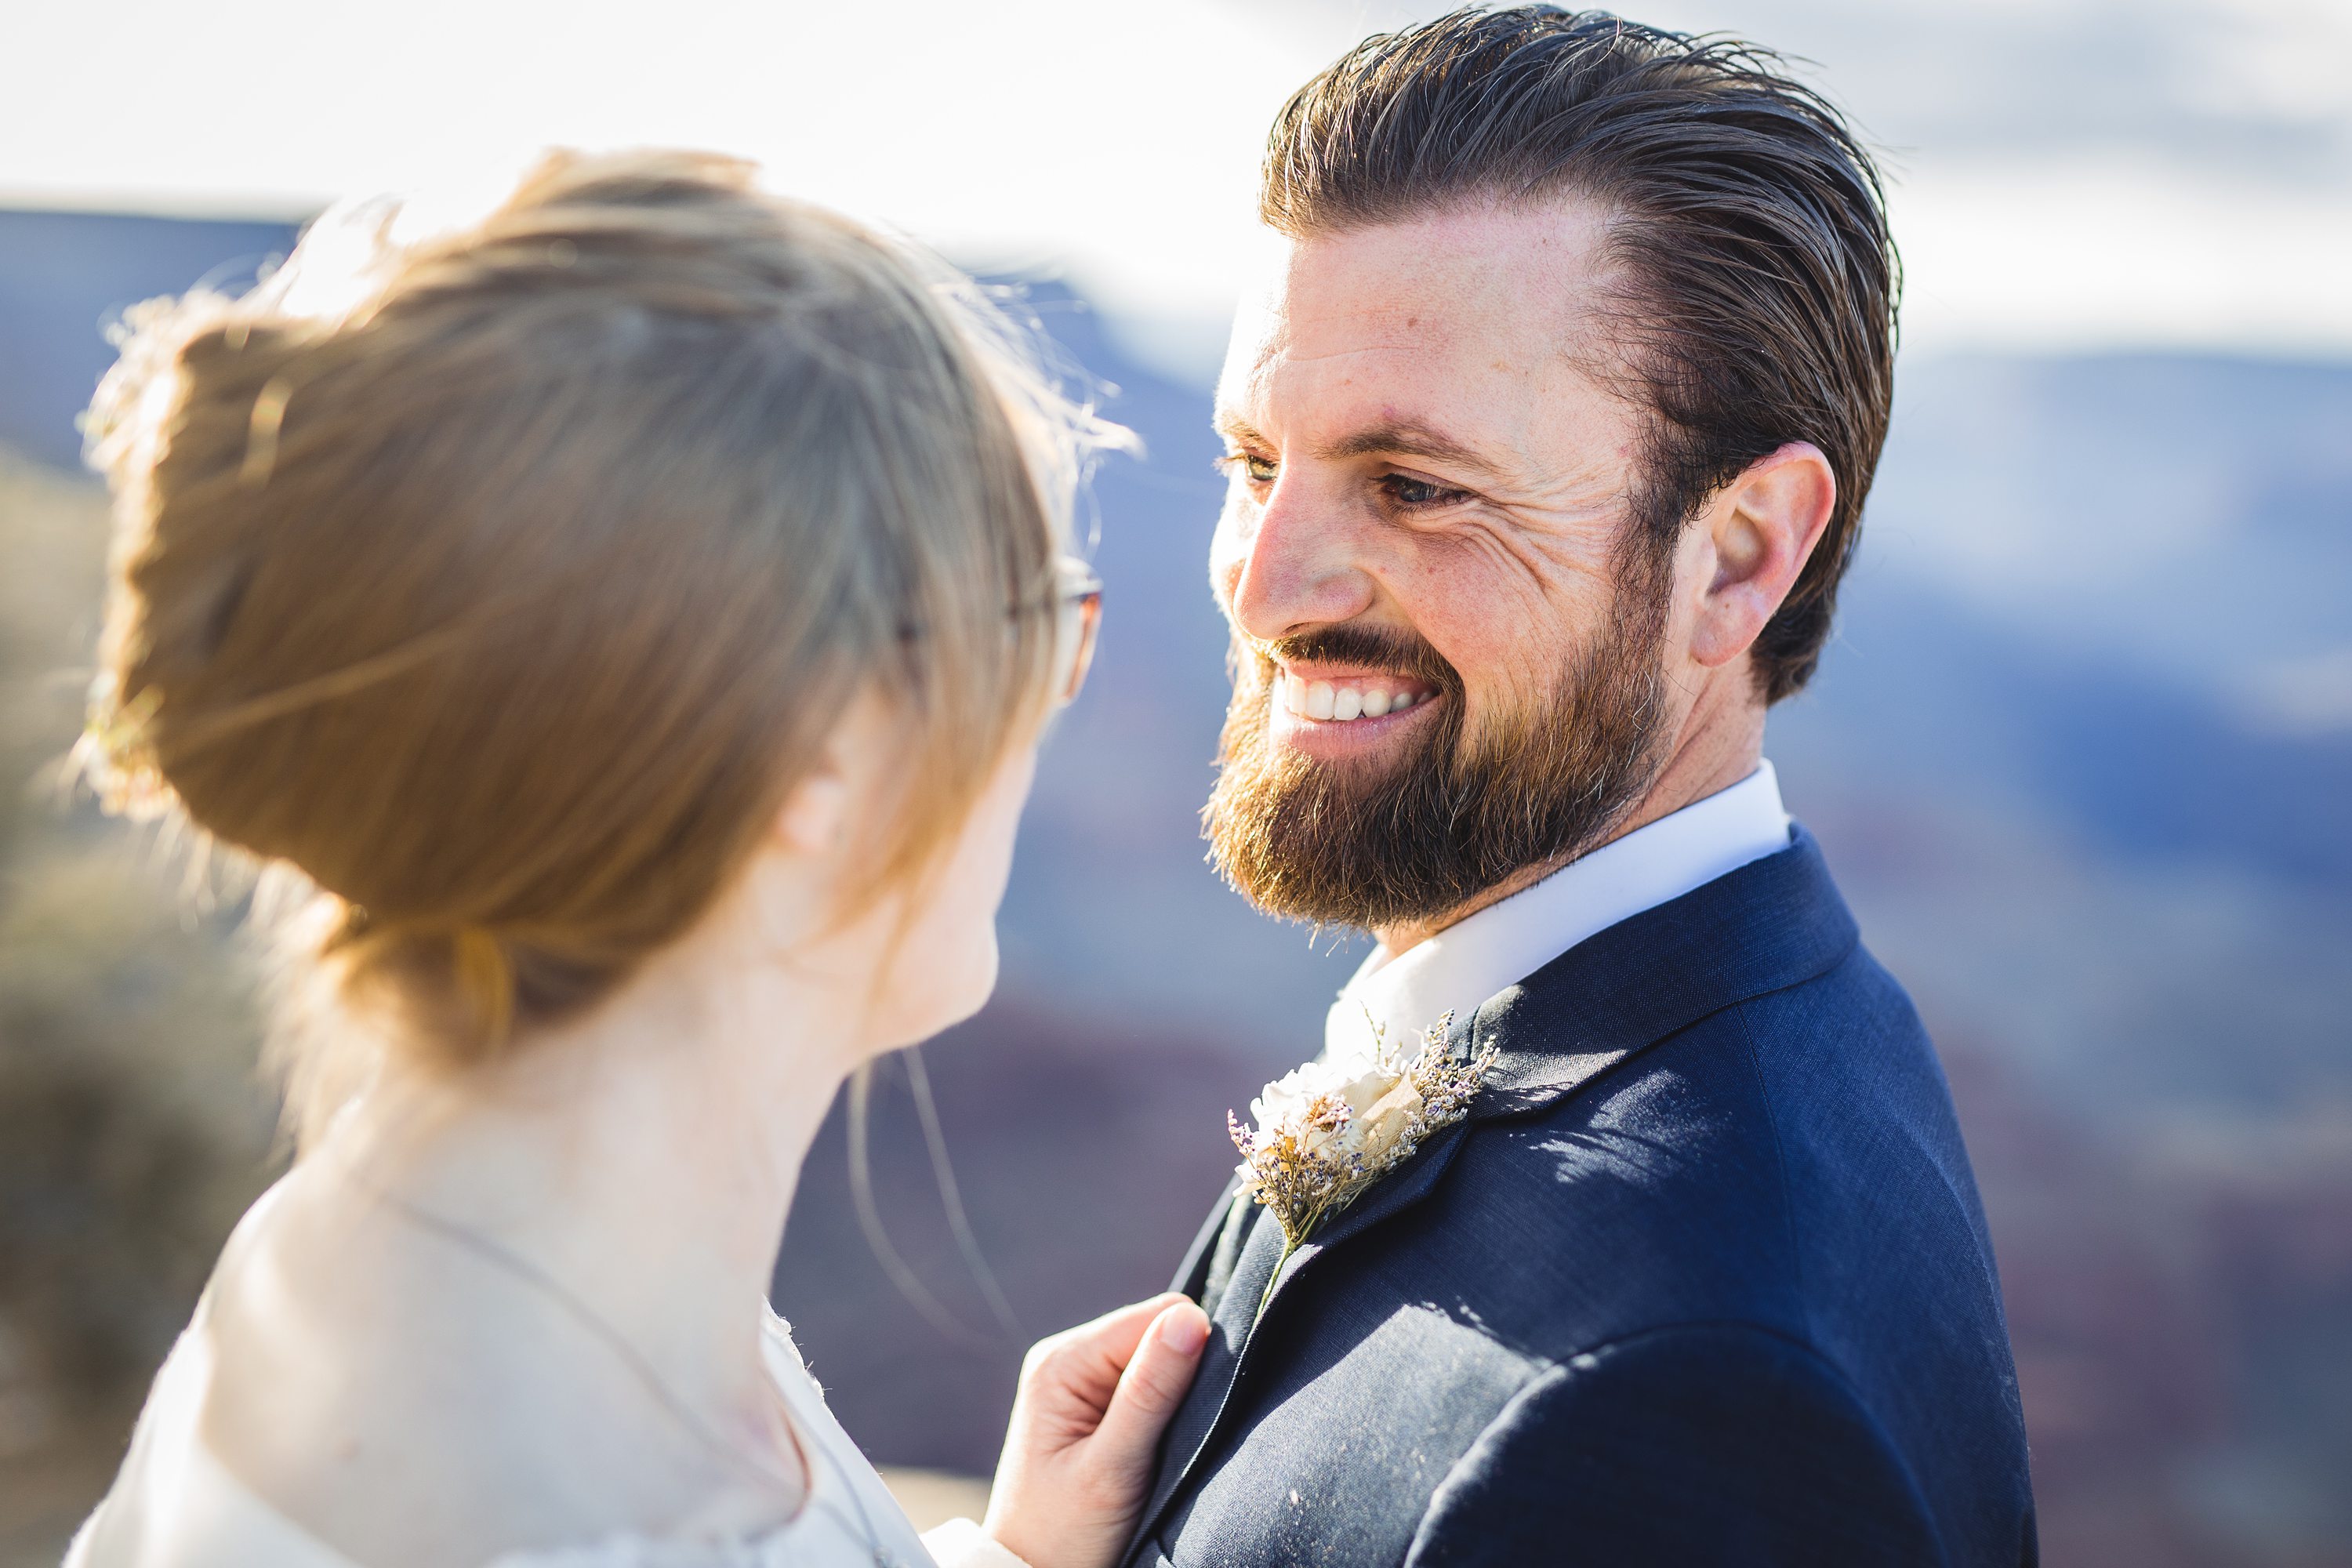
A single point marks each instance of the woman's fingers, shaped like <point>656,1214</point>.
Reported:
<point>1157,1377</point>
<point>1078,1449</point>
<point>1077,1373</point>
<point>1087,1359</point>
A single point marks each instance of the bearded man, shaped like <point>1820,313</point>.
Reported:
<point>1549,443</point>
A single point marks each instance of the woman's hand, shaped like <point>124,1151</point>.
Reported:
<point>1078,1452</point>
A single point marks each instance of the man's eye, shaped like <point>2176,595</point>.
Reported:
<point>1261,471</point>
<point>1408,491</point>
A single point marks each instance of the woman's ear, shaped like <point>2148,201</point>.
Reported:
<point>814,818</point>
<point>1762,528</point>
<point>821,813</point>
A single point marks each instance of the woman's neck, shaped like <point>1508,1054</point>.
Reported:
<point>539,1280</point>
<point>638,1163</point>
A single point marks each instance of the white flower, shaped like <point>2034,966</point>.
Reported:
<point>1357,1081</point>
<point>1327,1131</point>
<point>1387,1119</point>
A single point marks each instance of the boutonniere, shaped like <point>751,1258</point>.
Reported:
<point>1326,1131</point>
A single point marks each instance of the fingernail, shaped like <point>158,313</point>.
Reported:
<point>1182,1331</point>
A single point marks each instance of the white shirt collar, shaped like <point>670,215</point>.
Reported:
<point>1504,942</point>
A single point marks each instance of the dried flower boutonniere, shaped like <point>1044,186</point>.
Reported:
<point>1327,1130</point>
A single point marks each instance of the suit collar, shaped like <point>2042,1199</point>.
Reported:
<point>1773,923</point>
<point>1459,967</point>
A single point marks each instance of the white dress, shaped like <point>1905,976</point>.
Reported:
<point>174,1505</point>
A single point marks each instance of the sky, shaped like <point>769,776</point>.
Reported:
<point>2065,174</point>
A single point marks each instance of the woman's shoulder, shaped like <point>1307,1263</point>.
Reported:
<point>175,1504</point>
<point>360,1362</point>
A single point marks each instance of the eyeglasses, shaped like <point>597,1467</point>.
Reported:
<point>1077,607</point>
<point>1077,617</point>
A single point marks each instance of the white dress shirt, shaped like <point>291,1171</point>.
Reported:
<point>1504,942</point>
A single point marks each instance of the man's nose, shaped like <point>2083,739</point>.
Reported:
<point>1294,566</point>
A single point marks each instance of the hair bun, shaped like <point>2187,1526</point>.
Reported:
<point>502,582</point>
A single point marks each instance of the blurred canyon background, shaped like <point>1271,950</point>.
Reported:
<point>2081,754</point>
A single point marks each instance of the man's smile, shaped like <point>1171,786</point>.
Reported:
<point>1336,709</point>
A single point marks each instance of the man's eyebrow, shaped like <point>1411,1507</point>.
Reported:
<point>1237,430</point>
<point>1403,440</point>
<point>1409,440</point>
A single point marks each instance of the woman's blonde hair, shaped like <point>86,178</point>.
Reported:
<point>504,593</point>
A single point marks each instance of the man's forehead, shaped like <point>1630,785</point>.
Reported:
<point>1529,268</point>
<point>1392,325</point>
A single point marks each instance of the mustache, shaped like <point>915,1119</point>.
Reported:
<point>1391,652</point>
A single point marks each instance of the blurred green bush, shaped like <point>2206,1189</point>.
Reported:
<point>134,1127</point>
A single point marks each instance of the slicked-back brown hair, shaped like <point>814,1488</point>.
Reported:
<point>506,594</point>
<point>1760,282</point>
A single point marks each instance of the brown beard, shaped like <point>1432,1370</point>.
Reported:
<point>1380,845</point>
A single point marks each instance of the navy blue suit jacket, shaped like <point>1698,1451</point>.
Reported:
<point>1703,1279</point>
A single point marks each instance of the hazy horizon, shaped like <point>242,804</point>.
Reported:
<point>2063,173</point>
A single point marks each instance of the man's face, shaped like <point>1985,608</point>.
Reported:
<point>1447,629</point>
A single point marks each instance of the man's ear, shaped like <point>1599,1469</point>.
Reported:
<point>1762,528</point>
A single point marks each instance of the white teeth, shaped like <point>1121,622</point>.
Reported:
<point>1327,703</point>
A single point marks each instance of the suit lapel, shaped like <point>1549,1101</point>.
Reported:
<point>1217,1276</point>
<point>1230,1326</point>
<point>1200,1260</point>
<point>1235,1320</point>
